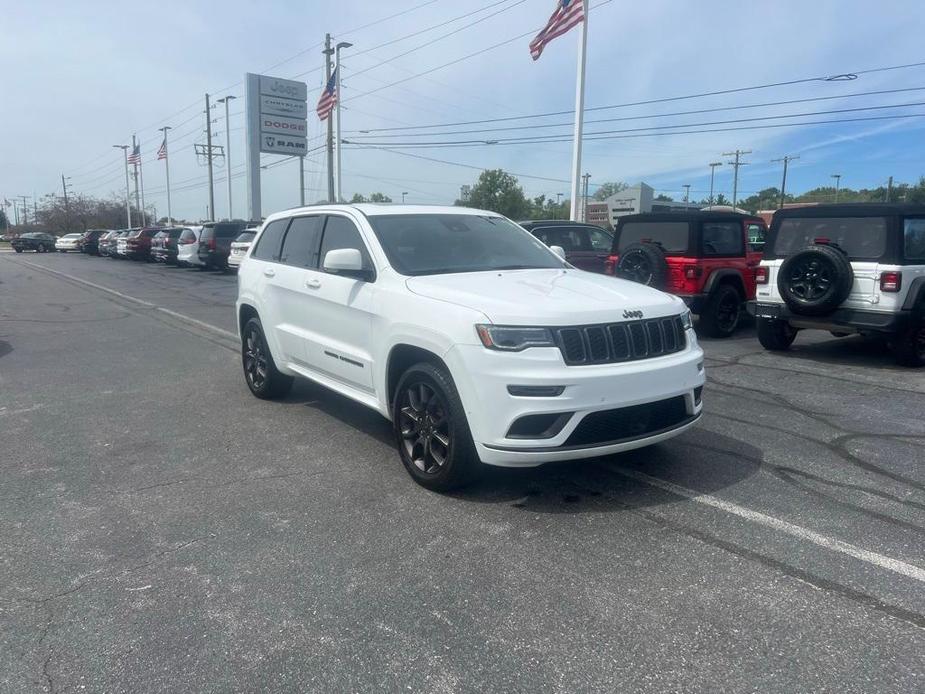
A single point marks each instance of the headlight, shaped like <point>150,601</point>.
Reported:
<point>686,320</point>
<point>514,339</point>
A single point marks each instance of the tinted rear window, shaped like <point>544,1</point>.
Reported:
<point>673,237</point>
<point>859,237</point>
<point>188,235</point>
<point>246,237</point>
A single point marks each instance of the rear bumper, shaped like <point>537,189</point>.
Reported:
<point>852,320</point>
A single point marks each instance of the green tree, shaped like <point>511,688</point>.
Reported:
<point>608,188</point>
<point>379,197</point>
<point>722,200</point>
<point>498,191</point>
<point>357,198</point>
<point>4,221</point>
<point>661,197</point>
<point>767,199</point>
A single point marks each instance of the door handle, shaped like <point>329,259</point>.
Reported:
<point>269,273</point>
<point>313,284</point>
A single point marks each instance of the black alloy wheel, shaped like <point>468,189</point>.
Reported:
<point>909,347</point>
<point>260,372</point>
<point>643,263</point>
<point>637,267</point>
<point>431,430</point>
<point>810,279</point>
<point>424,426</point>
<point>40,248</point>
<point>720,316</point>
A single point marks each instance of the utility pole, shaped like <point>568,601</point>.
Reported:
<point>338,73</point>
<point>328,52</point>
<point>713,165</point>
<point>837,178</point>
<point>584,205</point>
<point>687,192</point>
<point>128,199</point>
<point>735,176</point>
<point>67,207</point>
<point>209,156</point>
<point>135,176</point>
<point>141,182</point>
<point>783,184</point>
<point>166,170</point>
<point>558,204</point>
<point>25,210</point>
<point>889,189</point>
<point>226,100</point>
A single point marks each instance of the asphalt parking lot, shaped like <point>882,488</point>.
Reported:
<point>163,530</point>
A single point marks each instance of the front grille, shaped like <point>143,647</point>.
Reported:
<point>617,342</point>
<point>633,422</point>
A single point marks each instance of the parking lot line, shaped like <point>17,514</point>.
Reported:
<point>879,560</point>
<point>148,304</point>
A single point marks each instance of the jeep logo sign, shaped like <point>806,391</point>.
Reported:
<point>632,314</point>
<point>289,89</point>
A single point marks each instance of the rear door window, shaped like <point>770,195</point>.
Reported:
<point>756,236</point>
<point>673,237</point>
<point>269,243</point>
<point>300,247</point>
<point>862,238</point>
<point>914,233</point>
<point>722,239</point>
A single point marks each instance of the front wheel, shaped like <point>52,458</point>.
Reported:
<point>18,250</point>
<point>720,316</point>
<point>41,248</point>
<point>909,347</point>
<point>431,430</point>
<point>776,335</point>
<point>263,378</point>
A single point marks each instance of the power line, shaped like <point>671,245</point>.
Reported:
<point>569,124</point>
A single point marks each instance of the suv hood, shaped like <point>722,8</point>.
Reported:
<point>546,296</point>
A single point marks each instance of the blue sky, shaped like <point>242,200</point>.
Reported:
<point>81,77</point>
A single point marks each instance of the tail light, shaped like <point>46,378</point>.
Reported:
<point>212,244</point>
<point>762,275</point>
<point>610,265</point>
<point>693,272</point>
<point>891,281</point>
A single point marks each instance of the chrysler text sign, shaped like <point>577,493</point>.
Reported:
<point>277,106</point>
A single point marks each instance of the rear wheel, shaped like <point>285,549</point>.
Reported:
<point>41,248</point>
<point>909,347</point>
<point>776,335</point>
<point>720,316</point>
<point>18,250</point>
<point>263,378</point>
<point>431,430</point>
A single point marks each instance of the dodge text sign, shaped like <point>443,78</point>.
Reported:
<point>282,126</point>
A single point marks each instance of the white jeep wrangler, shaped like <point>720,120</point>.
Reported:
<point>856,268</point>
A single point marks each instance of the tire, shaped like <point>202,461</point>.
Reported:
<point>256,358</point>
<point>775,335</point>
<point>909,347</point>
<point>60,251</point>
<point>643,263</point>
<point>721,314</point>
<point>430,425</point>
<point>816,280</point>
<point>18,250</point>
<point>40,248</point>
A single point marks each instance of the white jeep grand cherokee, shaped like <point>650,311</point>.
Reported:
<point>478,342</point>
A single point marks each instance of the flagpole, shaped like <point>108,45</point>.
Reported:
<point>338,95</point>
<point>167,170</point>
<point>579,113</point>
<point>141,180</point>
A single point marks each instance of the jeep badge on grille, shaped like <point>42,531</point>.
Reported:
<point>632,314</point>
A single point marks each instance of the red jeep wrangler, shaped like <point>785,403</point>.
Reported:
<point>707,258</point>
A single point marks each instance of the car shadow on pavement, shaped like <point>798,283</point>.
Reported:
<point>869,353</point>
<point>700,460</point>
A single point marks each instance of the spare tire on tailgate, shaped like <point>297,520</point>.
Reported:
<point>643,263</point>
<point>816,280</point>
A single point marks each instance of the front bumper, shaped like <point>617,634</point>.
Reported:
<point>852,320</point>
<point>482,378</point>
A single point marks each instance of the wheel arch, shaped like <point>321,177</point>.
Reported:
<point>402,356</point>
<point>915,297</point>
<point>245,313</point>
<point>725,276</point>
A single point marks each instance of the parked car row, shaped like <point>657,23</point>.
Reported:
<point>209,246</point>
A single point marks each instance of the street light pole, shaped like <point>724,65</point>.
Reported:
<point>687,192</point>
<point>128,199</point>
<point>713,165</point>
<point>67,207</point>
<point>837,178</point>
<point>403,197</point>
<point>226,100</point>
<point>338,74</point>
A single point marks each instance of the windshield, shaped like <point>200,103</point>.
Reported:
<point>436,244</point>
<point>673,237</point>
<point>859,237</point>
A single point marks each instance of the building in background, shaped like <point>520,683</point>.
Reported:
<point>598,213</point>
<point>633,200</point>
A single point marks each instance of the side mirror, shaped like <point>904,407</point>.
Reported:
<point>348,261</point>
<point>558,250</point>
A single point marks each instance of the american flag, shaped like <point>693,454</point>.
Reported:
<point>135,156</point>
<point>162,150</point>
<point>328,97</point>
<point>568,14</point>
